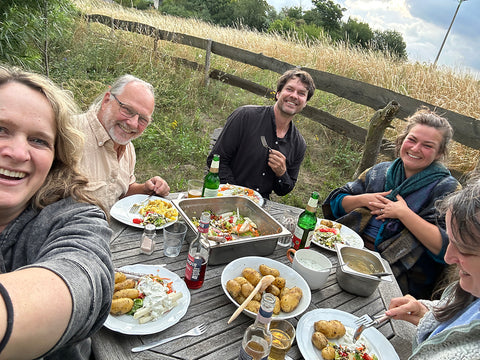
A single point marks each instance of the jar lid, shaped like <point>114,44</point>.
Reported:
<point>150,227</point>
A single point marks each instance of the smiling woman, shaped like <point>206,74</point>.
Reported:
<point>392,205</point>
<point>39,151</point>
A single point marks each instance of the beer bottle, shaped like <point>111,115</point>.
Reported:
<point>306,224</point>
<point>211,183</point>
<point>257,339</point>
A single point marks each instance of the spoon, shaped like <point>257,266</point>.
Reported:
<point>261,286</point>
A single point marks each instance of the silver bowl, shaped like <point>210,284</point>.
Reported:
<point>357,265</point>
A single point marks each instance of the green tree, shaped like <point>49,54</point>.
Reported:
<point>391,42</point>
<point>30,29</point>
<point>252,13</point>
<point>357,32</point>
<point>328,15</point>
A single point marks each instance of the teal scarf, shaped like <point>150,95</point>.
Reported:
<point>400,186</point>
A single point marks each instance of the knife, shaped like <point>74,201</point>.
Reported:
<point>264,143</point>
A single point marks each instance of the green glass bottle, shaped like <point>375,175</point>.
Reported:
<point>211,183</point>
<point>306,224</point>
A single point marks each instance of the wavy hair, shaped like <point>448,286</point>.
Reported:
<point>425,116</point>
<point>304,77</point>
<point>63,179</point>
<point>464,207</point>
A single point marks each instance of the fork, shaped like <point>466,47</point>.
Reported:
<point>135,207</point>
<point>366,321</point>
<point>264,143</point>
<point>196,331</point>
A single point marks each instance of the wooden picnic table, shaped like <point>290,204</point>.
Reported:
<point>210,304</point>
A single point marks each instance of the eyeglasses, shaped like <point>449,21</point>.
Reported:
<point>126,111</point>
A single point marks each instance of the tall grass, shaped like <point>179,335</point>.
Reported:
<point>177,143</point>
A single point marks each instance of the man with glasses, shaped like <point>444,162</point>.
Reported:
<point>114,119</point>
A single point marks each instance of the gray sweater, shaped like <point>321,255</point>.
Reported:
<point>72,240</point>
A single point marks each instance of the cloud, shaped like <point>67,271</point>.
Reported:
<point>423,25</point>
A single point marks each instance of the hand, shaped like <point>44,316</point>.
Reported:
<point>157,185</point>
<point>277,162</point>
<point>406,308</point>
<point>384,208</point>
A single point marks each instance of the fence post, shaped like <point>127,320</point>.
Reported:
<point>378,124</point>
<point>155,40</point>
<point>112,27</point>
<point>208,54</point>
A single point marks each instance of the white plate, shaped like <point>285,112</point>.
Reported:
<point>126,324</point>
<point>235,268</point>
<point>119,210</point>
<point>375,342</point>
<point>257,198</point>
<point>350,237</point>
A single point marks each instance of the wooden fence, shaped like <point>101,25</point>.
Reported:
<point>467,129</point>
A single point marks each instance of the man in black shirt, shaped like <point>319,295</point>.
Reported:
<point>243,159</point>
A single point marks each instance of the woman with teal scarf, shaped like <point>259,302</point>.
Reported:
<point>392,204</point>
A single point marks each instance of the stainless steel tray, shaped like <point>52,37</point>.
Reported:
<point>222,253</point>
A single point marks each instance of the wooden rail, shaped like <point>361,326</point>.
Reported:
<point>467,129</point>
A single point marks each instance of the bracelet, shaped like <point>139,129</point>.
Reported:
<point>9,306</point>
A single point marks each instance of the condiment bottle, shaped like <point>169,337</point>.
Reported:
<point>211,182</point>
<point>306,224</point>
<point>257,339</point>
<point>198,254</point>
<point>147,242</point>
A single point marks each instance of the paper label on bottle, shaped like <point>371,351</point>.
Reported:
<point>299,235</point>
<point>194,265</point>
<point>210,192</point>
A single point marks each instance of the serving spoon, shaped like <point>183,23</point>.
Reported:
<point>261,286</point>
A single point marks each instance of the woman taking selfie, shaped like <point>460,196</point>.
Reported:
<point>56,277</point>
<point>392,204</point>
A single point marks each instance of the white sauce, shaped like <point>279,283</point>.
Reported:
<point>311,264</point>
<point>156,297</point>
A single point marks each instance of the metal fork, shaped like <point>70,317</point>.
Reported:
<point>264,143</point>
<point>366,321</point>
<point>196,331</point>
<point>135,207</point>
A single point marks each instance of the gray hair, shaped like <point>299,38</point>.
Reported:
<point>117,88</point>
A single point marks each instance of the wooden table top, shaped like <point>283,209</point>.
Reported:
<point>210,304</point>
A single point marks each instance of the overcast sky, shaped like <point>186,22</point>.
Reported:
<point>423,25</point>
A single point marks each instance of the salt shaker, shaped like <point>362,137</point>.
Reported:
<point>147,242</point>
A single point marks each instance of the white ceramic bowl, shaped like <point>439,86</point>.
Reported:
<point>292,278</point>
<point>311,265</point>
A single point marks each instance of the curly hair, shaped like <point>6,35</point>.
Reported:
<point>63,179</point>
<point>425,116</point>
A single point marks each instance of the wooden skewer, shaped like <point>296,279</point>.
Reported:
<point>261,286</point>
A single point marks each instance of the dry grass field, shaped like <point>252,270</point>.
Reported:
<point>453,89</point>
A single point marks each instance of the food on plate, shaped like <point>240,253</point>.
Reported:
<point>126,284</point>
<point>229,226</point>
<point>332,329</point>
<point>319,340</point>
<point>267,270</point>
<point>287,299</point>
<point>290,299</point>
<point>335,342</point>
<point>121,306</point>
<point>234,288</point>
<point>228,189</point>
<point>126,293</point>
<point>328,234</point>
<point>120,277</point>
<point>252,276</point>
<point>328,353</point>
<point>157,212</point>
<point>146,298</point>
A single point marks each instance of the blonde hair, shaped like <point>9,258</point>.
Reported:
<point>63,179</point>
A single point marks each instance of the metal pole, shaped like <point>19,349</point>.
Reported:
<point>445,39</point>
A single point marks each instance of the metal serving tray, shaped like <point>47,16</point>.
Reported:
<point>222,253</point>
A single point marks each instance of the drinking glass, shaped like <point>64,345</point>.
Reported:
<point>195,188</point>
<point>173,236</point>
<point>283,334</point>
<point>289,220</point>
